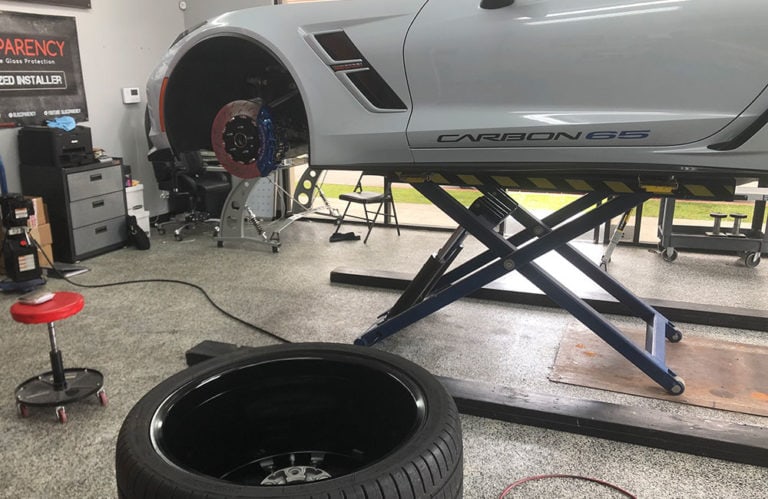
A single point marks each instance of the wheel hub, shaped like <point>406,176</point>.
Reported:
<point>241,135</point>
<point>295,474</point>
<point>241,139</point>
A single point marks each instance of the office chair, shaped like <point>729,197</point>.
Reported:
<point>365,198</point>
<point>197,191</point>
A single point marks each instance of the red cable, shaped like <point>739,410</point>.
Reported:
<point>542,477</point>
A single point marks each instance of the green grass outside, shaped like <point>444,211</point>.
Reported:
<point>684,210</point>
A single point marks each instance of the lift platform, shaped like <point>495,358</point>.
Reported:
<point>602,199</point>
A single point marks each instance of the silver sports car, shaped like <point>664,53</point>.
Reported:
<point>656,86</point>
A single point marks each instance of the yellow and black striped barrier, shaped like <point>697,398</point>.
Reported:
<point>694,187</point>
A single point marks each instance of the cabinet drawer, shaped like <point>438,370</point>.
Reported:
<point>94,182</point>
<point>99,235</point>
<point>95,209</point>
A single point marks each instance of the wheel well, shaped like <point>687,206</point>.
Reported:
<point>218,71</point>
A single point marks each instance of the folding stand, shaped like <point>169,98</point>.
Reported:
<point>237,215</point>
<point>434,287</point>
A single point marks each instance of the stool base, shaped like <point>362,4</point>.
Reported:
<point>41,392</point>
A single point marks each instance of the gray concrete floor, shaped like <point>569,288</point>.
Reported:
<point>138,334</point>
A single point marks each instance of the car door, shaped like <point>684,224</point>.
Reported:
<point>565,73</point>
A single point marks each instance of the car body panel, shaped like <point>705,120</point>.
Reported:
<point>557,73</point>
<point>562,85</point>
<point>341,128</point>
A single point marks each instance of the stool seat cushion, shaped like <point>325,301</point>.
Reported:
<point>64,304</point>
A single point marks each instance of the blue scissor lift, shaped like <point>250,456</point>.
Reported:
<point>435,286</point>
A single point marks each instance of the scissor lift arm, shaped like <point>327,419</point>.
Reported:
<point>435,287</point>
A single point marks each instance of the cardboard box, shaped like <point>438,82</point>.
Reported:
<point>41,216</point>
<point>42,234</point>
<point>48,250</point>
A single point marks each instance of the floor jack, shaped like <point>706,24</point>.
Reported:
<point>435,286</point>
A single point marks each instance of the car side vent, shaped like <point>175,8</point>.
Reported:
<point>348,60</point>
<point>375,89</point>
<point>338,46</point>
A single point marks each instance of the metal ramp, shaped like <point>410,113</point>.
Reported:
<point>435,286</point>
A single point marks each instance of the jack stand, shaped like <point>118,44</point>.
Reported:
<point>434,288</point>
<point>236,214</point>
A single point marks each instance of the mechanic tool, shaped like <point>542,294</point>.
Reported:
<point>717,224</point>
<point>736,231</point>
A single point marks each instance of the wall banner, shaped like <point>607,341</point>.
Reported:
<point>40,74</point>
<point>81,4</point>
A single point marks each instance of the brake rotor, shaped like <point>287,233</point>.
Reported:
<point>239,139</point>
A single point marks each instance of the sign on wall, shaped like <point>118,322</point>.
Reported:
<point>83,4</point>
<point>40,74</point>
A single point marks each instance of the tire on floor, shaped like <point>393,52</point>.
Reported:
<point>313,420</point>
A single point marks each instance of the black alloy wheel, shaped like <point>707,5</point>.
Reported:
<point>313,420</point>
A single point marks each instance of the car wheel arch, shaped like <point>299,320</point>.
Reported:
<point>224,68</point>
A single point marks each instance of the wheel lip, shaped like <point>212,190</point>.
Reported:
<point>213,371</point>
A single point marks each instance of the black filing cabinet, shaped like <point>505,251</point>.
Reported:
<point>86,207</point>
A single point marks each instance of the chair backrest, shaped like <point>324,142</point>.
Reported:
<point>192,163</point>
<point>359,187</point>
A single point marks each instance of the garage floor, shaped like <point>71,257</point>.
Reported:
<point>138,334</point>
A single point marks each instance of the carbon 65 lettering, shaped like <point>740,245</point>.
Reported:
<point>544,136</point>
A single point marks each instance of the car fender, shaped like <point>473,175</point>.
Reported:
<point>342,129</point>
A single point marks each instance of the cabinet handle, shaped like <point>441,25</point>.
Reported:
<point>98,204</point>
<point>101,229</point>
<point>96,177</point>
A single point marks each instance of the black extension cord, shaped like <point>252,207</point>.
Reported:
<point>171,281</point>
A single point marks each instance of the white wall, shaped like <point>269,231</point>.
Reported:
<point>120,43</point>
<point>200,10</point>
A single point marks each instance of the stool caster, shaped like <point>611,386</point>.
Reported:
<point>41,390</point>
<point>22,410</point>
<point>102,396</point>
<point>61,414</point>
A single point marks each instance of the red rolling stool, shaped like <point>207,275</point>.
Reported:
<point>59,386</point>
